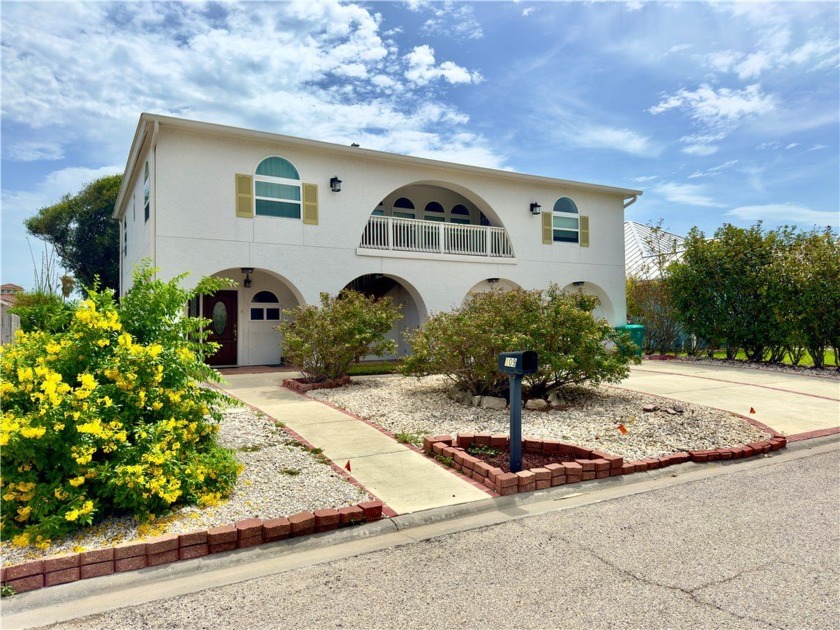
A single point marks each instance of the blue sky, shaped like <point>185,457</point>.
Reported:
<point>720,112</point>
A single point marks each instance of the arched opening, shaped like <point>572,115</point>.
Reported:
<point>252,314</point>
<point>409,220</point>
<point>605,309</point>
<point>403,295</point>
<point>491,284</point>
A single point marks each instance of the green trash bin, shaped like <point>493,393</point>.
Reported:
<point>637,335</point>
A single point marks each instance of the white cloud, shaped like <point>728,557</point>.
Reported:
<point>51,189</point>
<point>785,213</point>
<point>422,69</point>
<point>792,145</point>
<point>527,11</point>
<point>723,107</point>
<point>689,194</point>
<point>603,137</point>
<point>453,19</point>
<point>700,149</point>
<point>715,170</point>
<point>33,151</point>
<point>678,48</point>
<point>324,70</point>
<point>645,178</point>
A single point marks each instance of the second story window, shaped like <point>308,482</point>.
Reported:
<point>147,192</point>
<point>565,222</point>
<point>277,190</point>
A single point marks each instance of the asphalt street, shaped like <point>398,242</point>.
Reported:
<point>750,547</point>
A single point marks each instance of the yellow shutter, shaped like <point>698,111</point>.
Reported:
<point>584,231</point>
<point>310,204</point>
<point>244,196</point>
<point>547,228</point>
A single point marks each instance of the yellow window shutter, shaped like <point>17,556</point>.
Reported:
<point>547,228</point>
<point>584,231</point>
<point>310,204</point>
<point>244,196</point>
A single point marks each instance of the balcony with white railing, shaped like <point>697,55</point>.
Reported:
<point>431,237</point>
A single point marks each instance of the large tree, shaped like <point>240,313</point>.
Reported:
<point>83,233</point>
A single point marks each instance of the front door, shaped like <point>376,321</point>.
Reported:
<point>221,309</point>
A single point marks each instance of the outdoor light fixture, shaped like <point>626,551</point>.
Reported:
<point>335,184</point>
<point>536,208</point>
<point>247,271</point>
<point>492,280</point>
<point>579,283</point>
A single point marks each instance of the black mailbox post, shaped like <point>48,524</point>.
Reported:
<point>516,365</point>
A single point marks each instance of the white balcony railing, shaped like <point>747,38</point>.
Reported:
<point>432,237</point>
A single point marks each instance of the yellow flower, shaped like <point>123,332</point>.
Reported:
<point>23,514</point>
<point>154,350</point>
<point>77,481</point>
<point>21,540</point>
<point>33,432</point>
<point>53,348</point>
<point>72,515</point>
<point>103,342</point>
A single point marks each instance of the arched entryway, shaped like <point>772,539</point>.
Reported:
<point>403,295</point>
<point>605,309</point>
<point>244,319</point>
<point>491,284</point>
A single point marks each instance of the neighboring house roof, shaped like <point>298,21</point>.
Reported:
<point>642,245</point>
<point>10,288</point>
<point>149,125</point>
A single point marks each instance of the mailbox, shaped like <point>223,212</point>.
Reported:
<point>514,363</point>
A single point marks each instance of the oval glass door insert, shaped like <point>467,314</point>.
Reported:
<point>219,318</point>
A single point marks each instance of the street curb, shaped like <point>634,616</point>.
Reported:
<point>82,598</point>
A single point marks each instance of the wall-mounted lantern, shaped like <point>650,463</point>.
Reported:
<point>247,271</point>
<point>335,184</point>
<point>536,208</point>
<point>492,280</point>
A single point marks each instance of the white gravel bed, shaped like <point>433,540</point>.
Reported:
<point>590,418</point>
<point>280,479</point>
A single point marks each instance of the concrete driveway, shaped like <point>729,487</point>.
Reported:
<point>797,405</point>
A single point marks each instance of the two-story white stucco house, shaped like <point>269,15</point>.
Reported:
<point>289,218</point>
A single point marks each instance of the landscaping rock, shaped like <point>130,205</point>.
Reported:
<point>536,404</point>
<point>650,408</point>
<point>493,402</point>
<point>555,398</point>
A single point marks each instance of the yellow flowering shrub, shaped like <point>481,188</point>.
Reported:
<point>111,415</point>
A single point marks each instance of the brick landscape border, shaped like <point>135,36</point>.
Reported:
<point>131,556</point>
<point>300,385</point>
<point>588,464</point>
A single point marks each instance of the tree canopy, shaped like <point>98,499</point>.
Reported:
<point>84,235</point>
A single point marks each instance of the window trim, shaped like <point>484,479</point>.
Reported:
<point>270,179</point>
<point>565,214</point>
<point>264,307</point>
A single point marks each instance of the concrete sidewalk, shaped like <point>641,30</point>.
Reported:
<point>402,478</point>
<point>793,404</point>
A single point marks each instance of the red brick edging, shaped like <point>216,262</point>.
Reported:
<point>301,386</point>
<point>130,556</point>
<point>589,464</point>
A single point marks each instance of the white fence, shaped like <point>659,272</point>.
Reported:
<point>431,237</point>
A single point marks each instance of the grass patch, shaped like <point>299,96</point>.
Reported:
<point>483,450</point>
<point>291,472</point>
<point>807,361</point>
<point>251,448</point>
<point>406,437</point>
<point>371,368</point>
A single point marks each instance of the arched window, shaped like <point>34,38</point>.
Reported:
<point>403,208</point>
<point>434,212</point>
<point>460,214</point>
<point>277,189</point>
<point>565,221</point>
<point>147,192</point>
<point>265,307</point>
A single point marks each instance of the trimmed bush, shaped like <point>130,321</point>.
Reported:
<point>324,341</point>
<point>110,416</point>
<point>572,346</point>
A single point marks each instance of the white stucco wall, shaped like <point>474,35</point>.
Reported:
<point>197,229</point>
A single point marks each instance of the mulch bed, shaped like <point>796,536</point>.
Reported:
<point>529,460</point>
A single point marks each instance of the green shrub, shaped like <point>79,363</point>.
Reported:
<point>324,341</point>
<point>110,416</point>
<point>40,310</point>
<point>572,346</point>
